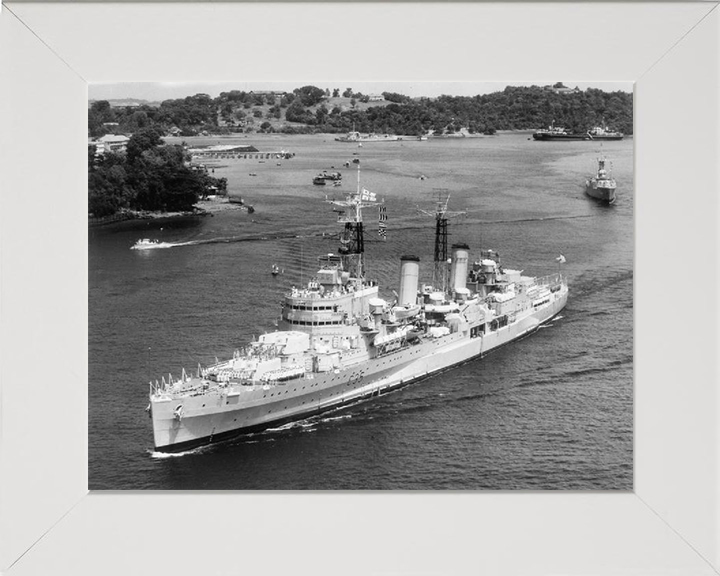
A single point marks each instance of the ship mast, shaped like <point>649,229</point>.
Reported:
<point>441,214</point>
<point>352,241</point>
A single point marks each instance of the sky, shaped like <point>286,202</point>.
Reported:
<point>158,91</point>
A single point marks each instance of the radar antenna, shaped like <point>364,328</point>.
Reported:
<point>441,214</point>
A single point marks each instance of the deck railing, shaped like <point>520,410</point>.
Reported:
<point>551,279</point>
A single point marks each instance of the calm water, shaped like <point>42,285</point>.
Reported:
<point>552,411</point>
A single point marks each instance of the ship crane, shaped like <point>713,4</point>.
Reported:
<point>441,214</point>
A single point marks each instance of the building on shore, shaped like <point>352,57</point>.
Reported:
<point>110,143</point>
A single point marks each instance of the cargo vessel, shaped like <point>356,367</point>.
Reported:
<point>556,133</point>
<point>339,342</point>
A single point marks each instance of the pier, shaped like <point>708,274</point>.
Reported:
<point>230,152</point>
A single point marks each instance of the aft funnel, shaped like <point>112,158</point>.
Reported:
<point>409,273</point>
<point>459,270</point>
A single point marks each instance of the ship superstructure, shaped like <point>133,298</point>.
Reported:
<point>339,342</point>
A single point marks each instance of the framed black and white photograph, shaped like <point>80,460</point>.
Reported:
<point>436,292</point>
<point>301,251</point>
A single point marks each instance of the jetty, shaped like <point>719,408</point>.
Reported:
<point>237,152</point>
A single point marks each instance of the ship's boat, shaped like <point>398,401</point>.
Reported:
<point>338,341</point>
<point>602,186</point>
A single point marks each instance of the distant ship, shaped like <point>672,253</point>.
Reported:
<point>601,186</point>
<point>557,133</point>
<point>359,138</point>
<point>339,342</point>
<point>603,133</point>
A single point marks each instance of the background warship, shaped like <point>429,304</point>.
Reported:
<point>602,186</point>
<point>340,343</point>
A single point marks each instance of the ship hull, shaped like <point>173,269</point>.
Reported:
<point>214,418</point>
<point>608,137</point>
<point>549,137</point>
<point>364,140</point>
<point>606,195</point>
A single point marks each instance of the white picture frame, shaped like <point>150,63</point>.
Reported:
<point>669,523</point>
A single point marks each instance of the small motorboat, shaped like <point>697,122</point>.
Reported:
<point>144,243</point>
<point>147,244</point>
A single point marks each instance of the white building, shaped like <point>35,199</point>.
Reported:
<point>111,143</point>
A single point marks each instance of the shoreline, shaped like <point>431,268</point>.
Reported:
<point>200,209</point>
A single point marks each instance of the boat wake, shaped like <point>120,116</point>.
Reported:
<point>163,455</point>
<point>150,245</point>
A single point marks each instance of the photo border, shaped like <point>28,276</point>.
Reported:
<point>669,525</point>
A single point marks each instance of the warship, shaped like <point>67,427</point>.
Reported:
<point>372,137</point>
<point>339,342</point>
<point>601,186</point>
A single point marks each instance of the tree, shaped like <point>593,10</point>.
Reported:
<point>295,112</point>
<point>141,141</point>
<point>348,93</point>
<point>321,114</point>
<point>336,93</point>
<point>310,95</point>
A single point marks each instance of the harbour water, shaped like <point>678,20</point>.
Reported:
<point>553,411</point>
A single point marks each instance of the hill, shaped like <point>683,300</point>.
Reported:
<point>310,109</point>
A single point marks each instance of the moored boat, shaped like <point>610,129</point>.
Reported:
<point>603,133</point>
<point>557,133</point>
<point>357,137</point>
<point>325,176</point>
